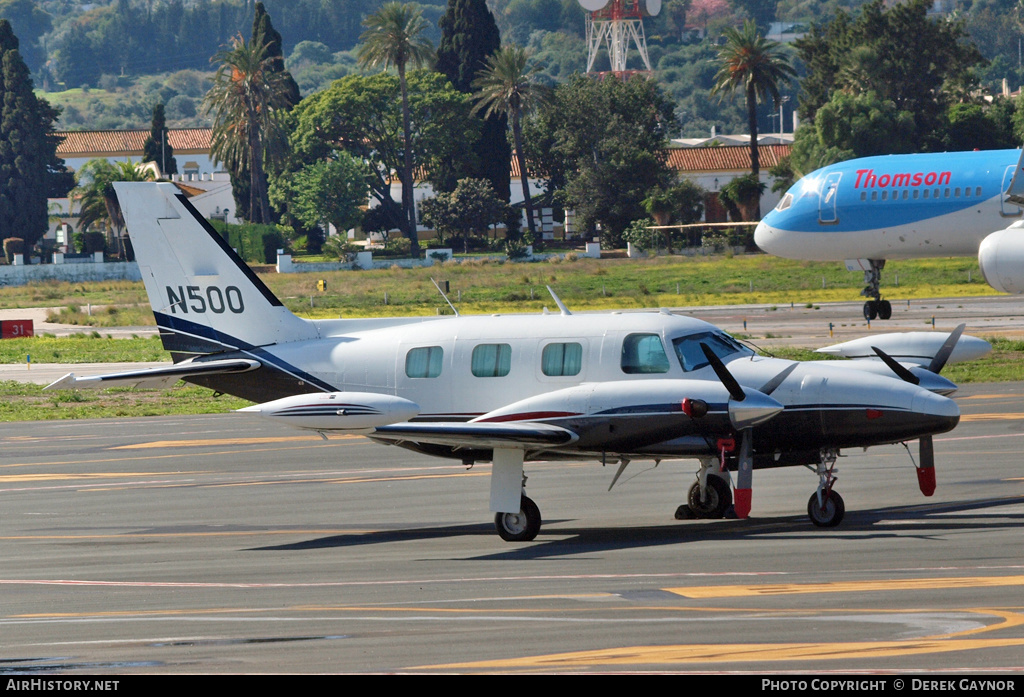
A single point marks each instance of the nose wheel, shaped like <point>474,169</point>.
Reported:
<point>826,508</point>
<point>519,527</point>
<point>827,513</point>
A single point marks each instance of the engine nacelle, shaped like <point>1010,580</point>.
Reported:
<point>1001,257</point>
<point>337,411</point>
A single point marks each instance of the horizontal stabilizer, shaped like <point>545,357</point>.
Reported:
<point>155,378</point>
<point>477,435</point>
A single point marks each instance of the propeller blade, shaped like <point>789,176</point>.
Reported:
<point>946,350</point>
<point>773,384</point>
<point>735,391</point>
<point>902,372</point>
<point>926,471</point>
<point>744,475</point>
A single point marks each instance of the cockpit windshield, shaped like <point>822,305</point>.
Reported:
<point>691,357</point>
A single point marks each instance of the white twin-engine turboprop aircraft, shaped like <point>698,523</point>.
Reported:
<point>517,388</point>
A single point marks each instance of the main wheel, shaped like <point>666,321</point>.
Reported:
<point>519,527</point>
<point>870,310</point>
<point>717,500</point>
<point>829,515</point>
<point>884,309</point>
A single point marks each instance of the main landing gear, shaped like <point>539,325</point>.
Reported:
<point>876,307</point>
<point>522,526</point>
<point>825,507</point>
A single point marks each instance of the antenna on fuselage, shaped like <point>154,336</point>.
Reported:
<point>558,301</point>
<point>445,297</point>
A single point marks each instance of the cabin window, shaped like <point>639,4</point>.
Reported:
<point>885,195</point>
<point>863,195</point>
<point>977,191</point>
<point>956,192</point>
<point>643,353</point>
<point>874,195</point>
<point>945,192</point>
<point>691,355</point>
<point>424,362</point>
<point>917,192</point>
<point>561,359</point>
<point>905,194</point>
<point>926,193</point>
<point>491,360</point>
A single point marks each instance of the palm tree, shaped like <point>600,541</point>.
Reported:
<point>507,86</point>
<point>247,97</point>
<point>750,61</point>
<point>95,192</point>
<point>395,36</point>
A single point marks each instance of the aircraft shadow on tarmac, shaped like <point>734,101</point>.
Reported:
<point>925,521</point>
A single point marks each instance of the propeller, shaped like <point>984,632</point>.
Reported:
<point>946,350</point>
<point>926,471</point>
<point>735,391</point>
<point>774,383</point>
<point>756,408</point>
<point>902,372</point>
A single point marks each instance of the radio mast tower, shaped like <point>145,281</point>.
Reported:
<point>616,24</point>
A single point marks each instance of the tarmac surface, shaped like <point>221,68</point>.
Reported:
<point>228,544</point>
<point>224,544</point>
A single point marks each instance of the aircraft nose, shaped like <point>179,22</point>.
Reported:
<point>763,236</point>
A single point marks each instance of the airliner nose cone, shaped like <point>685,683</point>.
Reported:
<point>763,234</point>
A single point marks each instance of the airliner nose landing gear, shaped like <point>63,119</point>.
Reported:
<point>882,309</point>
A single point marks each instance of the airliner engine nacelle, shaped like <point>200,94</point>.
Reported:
<point>337,411</point>
<point>1001,257</point>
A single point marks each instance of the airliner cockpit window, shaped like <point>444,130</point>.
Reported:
<point>692,357</point>
<point>785,203</point>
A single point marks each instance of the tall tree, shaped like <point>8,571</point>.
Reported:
<point>395,36</point>
<point>263,32</point>
<point>507,85</point>
<point>157,148</point>
<point>758,66</point>
<point>899,53</point>
<point>469,36</point>
<point>28,149</point>
<point>601,146</point>
<point>361,115</point>
<point>247,99</point>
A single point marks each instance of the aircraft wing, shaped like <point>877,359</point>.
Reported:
<point>476,435</point>
<point>155,378</point>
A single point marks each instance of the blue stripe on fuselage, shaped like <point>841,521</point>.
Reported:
<point>895,174</point>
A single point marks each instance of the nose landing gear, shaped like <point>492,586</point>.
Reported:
<point>876,307</point>
<point>826,507</point>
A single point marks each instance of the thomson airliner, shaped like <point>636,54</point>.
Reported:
<point>868,210</point>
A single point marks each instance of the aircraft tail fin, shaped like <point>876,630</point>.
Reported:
<point>204,297</point>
